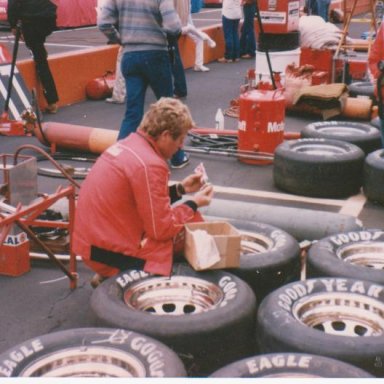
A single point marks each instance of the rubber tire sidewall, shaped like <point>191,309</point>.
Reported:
<point>373,176</point>
<point>211,339</point>
<point>278,330</point>
<point>369,141</point>
<point>266,271</point>
<point>322,259</point>
<point>284,365</point>
<point>128,341</point>
<point>339,175</point>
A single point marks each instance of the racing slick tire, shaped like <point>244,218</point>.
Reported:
<point>376,122</point>
<point>318,168</point>
<point>91,352</point>
<point>373,176</point>
<point>356,255</point>
<point>362,88</point>
<point>269,257</point>
<point>207,317</point>
<point>285,365</point>
<point>365,136</point>
<point>334,317</point>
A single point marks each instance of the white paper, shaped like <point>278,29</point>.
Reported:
<point>206,249</point>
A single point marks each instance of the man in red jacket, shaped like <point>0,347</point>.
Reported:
<point>376,55</point>
<point>124,217</point>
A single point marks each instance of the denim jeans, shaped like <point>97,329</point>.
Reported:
<point>140,70</point>
<point>179,81</point>
<point>323,8</point>
<point>231,37</point>
<point>247,37</point>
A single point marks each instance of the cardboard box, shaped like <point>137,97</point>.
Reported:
<point>227,239</point>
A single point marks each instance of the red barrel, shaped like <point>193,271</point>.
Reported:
<point>279,16</point>
<point>261,122</point>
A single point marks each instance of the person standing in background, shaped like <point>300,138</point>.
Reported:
<point>231,15</point>
<point>179,81</point>
<point>144,36</point>
<point>247,36</point>
<point>323,8</point>
<point>38,20</point>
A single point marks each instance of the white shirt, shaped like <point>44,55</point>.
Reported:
<point>232,9</point>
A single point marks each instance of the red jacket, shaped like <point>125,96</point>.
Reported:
<point>377,52</point>
<point>124,200</point>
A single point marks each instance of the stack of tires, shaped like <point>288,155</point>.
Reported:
<point>333,159</point>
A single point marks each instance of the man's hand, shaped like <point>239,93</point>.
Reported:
<point>192,183</point>
<point>204,196</point>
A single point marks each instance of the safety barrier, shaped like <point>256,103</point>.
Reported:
<point>72,71</point>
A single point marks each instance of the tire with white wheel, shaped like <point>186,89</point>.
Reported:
<point>365,136</point>
<point>269,257</point>
<point>91,352</point>
<point>357,255</point>
<point>334,317</point>
<point>318,168</point>
<point>207,317</point>
<point>286,365</point>
<point>373,176</point>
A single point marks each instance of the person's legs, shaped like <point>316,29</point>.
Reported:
<point>247,39</point>
<point>322,8</point>
<point>235,39</point>
<point>35,34</point>
<point>137,85</point>
<point>227,30</point>
<point>180,83</point>
<point>119,91</point>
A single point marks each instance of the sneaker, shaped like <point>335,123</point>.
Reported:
<point>114,101</point>
<point>182,164</point>
<point>52,108</point>
<point>200,68</point>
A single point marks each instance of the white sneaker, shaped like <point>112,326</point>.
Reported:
<point>201,68</point>
<point>114,101</point>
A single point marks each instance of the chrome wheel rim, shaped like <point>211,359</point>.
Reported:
<point>318,149</point>
<point>175,296</point>
<point>254,243</point>
<point>341,314</point>
<point>84,361</point>
<point>365,254</point>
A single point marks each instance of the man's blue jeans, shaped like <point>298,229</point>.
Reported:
<point>140,70</point>
<point>231,37</point>
<point>247,38</point>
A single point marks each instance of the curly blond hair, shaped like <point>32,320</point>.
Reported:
<point>167,114</point>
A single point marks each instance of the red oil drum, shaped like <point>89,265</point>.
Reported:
<point>261,122</point>
<point>279,16</point>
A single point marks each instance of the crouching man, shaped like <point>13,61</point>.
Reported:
<point>124,217</point>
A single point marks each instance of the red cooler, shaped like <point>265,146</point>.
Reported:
<point>261,122</point>
<point>279,16</point>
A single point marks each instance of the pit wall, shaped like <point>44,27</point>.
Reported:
<point>72,71</point>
